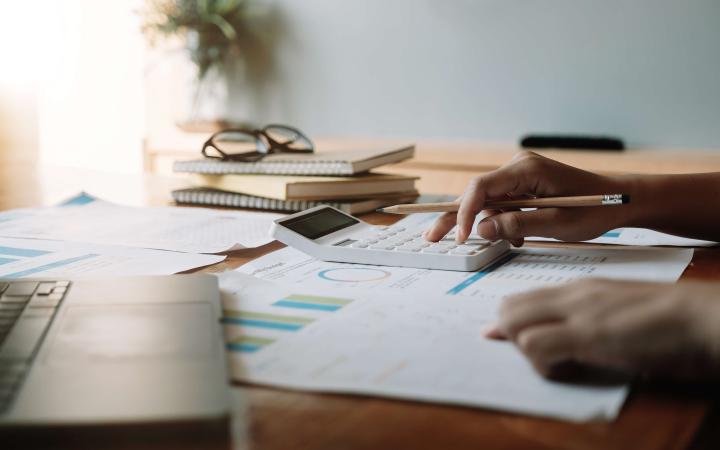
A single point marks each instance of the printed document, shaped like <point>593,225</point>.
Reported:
<point>424,348</point>
<point>54,259</point>
<point>89,220</point>
<point>416,333</point>
<point>522,269</point>
<point>640,236</point>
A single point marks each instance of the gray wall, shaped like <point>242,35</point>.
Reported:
<point>645,70</point>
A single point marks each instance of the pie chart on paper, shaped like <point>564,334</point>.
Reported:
<point>353,274</point>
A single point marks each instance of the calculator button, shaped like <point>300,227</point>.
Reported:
<point>476,242</point>
<point>359,245</point>
<point>408,249</point>
<point>462,251</point>
<point>435,250</point>
<point>382,246</point>
<point>397,229</point>
<point>476,248</point>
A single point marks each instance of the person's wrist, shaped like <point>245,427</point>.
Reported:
<point>702,307</point>
<point>639,211</point>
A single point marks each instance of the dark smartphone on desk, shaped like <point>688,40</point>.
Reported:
<point>574,142</point>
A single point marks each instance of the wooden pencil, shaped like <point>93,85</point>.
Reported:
<point>541,202</point>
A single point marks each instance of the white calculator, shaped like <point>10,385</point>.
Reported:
<point>331,235</point>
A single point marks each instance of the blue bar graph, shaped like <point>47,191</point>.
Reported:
<point>49,266</point>
<point>243,347</point>
<point>479,275</point>
<point>23,252</point>
<point>302,305</point>
<point>6,260</point>
<point>611,234</point>
<point>262,323</point>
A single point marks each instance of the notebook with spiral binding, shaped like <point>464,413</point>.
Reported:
<point>318,163</point>
<point>215,197</point>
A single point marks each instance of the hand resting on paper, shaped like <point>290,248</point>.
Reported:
<point>649,328</point>
<point>644,328</point>
<point>674,204</point>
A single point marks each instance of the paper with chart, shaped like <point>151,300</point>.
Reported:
<point>89,220</point>
<point>640,236</point>
<point>412,333</point>
<point>522,269</point>
<point>42,258</point>
<point>427,348</point>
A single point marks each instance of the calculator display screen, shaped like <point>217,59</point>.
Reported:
<point>319,223</point>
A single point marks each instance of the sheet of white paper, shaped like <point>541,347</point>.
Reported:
<point>42,258</point>
<point>640,236</point>
<point>396,331</point>
<point>426,348</point>
<point>523,269</point>
<point>192,230</point>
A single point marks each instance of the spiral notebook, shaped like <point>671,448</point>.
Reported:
<point>318,163</point>
<point>216,197</point>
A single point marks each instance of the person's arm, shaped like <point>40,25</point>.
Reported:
<point>644,328</point>
<point>686,205</point>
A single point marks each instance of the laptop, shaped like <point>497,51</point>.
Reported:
<point>112,351</point>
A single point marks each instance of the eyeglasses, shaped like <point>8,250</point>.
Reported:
<point>235,144</point>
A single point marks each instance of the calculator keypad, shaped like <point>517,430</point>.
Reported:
<point>402,240</point>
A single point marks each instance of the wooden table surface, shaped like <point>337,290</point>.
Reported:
<point>656,416</point>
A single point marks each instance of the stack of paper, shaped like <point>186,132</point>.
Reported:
<point>301,323</point>
<point>89,237</point>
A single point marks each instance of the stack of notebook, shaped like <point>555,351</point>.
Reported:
<point>290,183</point>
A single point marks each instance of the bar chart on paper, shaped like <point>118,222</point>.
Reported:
<point>21,258</point>
<point>390,344</point>
<point>250,329</point>
<point>640,236</point>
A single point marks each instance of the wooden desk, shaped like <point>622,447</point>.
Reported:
<point>653,418</point>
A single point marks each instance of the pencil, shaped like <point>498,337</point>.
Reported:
<point>543,202</point>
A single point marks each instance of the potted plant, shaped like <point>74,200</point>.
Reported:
<point>213,34</point>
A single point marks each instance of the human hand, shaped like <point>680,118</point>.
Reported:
<point>530,175</point>
<point>636,327</point>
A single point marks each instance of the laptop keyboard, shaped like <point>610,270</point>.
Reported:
<point>26,311</point>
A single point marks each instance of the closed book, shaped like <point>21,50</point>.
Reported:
<point>214,197</point>
<point>285,187</point>
<point>319,163</point>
